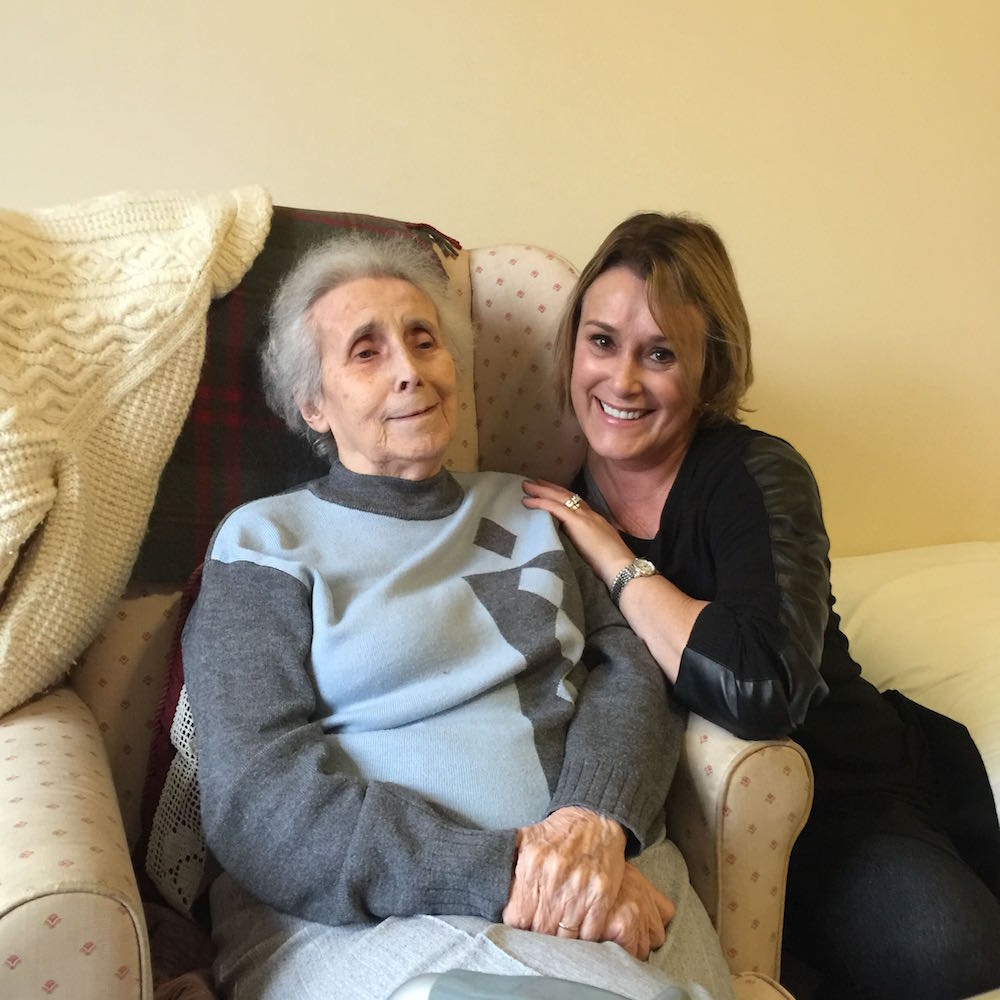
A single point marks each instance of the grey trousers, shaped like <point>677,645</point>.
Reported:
<point>267,955</point>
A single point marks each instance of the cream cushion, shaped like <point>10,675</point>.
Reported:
<point>120,678</point>
<point>518,291</point>
<point>926,622</point>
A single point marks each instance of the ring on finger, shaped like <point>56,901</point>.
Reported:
<point>574,504</point>
<point>568,930</point>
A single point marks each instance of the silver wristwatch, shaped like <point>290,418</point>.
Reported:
<point>636,568</point>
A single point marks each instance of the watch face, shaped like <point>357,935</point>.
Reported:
<point>635,569</point>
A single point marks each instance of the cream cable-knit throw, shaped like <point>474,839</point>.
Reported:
<point>103,309</point>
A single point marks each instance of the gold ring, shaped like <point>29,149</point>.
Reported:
<point>574,504</point>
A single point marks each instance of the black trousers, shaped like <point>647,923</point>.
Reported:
<point>896,892</point>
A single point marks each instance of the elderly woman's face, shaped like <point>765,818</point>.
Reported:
<point>388,382</point>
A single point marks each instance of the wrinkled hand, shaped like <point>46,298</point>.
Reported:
<point>569,868</point>
<point>640,915</point>
<point>594,537</point>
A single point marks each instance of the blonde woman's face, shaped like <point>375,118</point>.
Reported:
<point>627,388</point>
<point>389,393</point>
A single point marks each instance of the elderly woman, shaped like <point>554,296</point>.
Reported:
<point>418,713</point>
<point>710,538</point>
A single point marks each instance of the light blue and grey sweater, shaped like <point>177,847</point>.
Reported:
<point>388,677</point>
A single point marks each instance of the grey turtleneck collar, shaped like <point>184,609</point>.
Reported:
<point>407,499</point>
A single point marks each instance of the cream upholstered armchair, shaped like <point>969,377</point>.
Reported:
<point>82,764</point>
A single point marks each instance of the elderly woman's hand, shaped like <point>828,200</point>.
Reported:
<point>568,875</point>
<point>639,918</point>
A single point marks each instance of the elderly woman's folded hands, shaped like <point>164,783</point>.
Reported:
<point>571,880</point>
<point>638,920</point>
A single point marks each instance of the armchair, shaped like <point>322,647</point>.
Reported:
<point>73,761</point>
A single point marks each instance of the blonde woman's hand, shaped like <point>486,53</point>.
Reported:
<point>658,612</point>
<point>568,874</point>
<point>593,536</point>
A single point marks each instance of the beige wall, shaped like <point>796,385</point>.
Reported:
<point>847,152</point>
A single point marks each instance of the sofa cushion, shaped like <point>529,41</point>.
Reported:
<point>232,448</point>
<point>926,622</point>
<point>120,677</point>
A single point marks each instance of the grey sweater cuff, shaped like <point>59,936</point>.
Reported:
<point>616,790</point>
<point>473,871</point>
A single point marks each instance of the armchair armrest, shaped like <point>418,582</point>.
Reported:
<point>735,810</point>
<point>70,913</point>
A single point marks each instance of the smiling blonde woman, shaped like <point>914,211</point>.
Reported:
<point>709,536</point>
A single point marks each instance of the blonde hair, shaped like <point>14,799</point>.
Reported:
<point>693,296</point>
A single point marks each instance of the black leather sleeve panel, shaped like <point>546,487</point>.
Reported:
<point>753,665</point>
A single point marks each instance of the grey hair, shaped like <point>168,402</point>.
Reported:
<point>290,357</point>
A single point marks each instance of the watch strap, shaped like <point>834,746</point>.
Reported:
<point>636,568</point>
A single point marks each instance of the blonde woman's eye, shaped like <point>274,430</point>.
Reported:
<point>663,356</point>
<point>601,341</point>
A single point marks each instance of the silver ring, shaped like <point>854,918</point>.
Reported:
<point>574,504</point>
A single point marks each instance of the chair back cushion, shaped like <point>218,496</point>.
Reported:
<point>518,294</point>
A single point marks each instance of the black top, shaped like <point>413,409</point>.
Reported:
<point>743,529</point>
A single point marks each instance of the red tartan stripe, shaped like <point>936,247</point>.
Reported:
<point>231,406</point>
<point>201,434</point>
<point>234,363</point>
